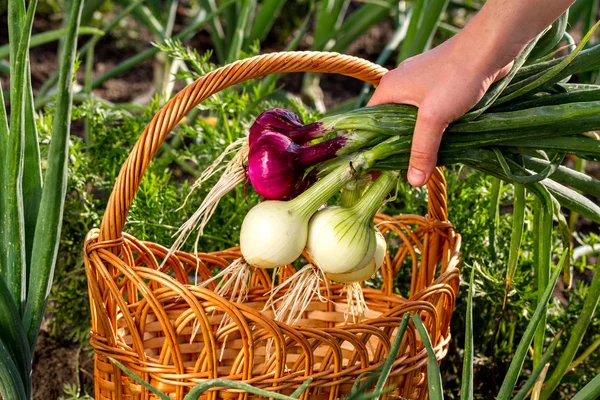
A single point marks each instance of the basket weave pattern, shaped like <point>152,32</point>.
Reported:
<point>174,334</point>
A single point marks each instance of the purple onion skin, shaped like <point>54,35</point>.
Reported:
<point>276,165</point>
<point>273,168</point>
<point>282,120</point>
<point>279,120</point>
<point>316,153</point>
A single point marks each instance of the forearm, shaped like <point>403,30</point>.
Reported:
<point>504,27</point>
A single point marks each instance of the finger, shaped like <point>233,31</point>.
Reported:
<point>426,143</point>
<point>384,92</point>
<point>503,71</point>
<point>393,88</point>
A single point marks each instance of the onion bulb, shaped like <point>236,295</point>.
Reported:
<point>368,270</point>
<point>342,239</point>
<point>274,232</point>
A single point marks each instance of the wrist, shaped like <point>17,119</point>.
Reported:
<point>485,44</point>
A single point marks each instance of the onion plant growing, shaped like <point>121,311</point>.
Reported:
<point>31,208</point>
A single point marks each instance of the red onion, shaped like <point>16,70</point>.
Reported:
<point>276,164</point>
<point>284,121</point>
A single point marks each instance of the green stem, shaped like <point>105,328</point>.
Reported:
<point>514,370</point>
<point>51,36</point>
<point>49,223</point>
<point>542,269</point>
<point>589,351</point>
<point>372,200</point>
<point>494,215</point>
<point>589,307</point>
<point>516,235</point>
<point>311,199</point>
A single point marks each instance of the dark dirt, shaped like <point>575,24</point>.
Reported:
<point>59,363</point>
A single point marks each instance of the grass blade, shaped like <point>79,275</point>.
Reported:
<point>3,151</point>
<point>301,388</point>
<point>589,307</point>
<point>434,378</point>
<point>48,227</point>
<point>514,370</point>
<point>14,337</point>
<point>591,391</point>
<point>466,388</point>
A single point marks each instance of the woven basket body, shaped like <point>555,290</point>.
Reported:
<point>174,334</point>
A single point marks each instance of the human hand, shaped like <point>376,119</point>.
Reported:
<point>444,83</point>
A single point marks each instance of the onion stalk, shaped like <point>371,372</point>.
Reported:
<point>342,239</point>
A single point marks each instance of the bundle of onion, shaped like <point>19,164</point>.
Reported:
<point>342,243</point>
<point>519,132</point>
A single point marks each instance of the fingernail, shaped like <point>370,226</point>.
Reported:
<point>416,177</point>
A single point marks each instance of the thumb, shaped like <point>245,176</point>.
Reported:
<point>425,145</point>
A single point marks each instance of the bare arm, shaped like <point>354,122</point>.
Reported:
<point>448,80</point>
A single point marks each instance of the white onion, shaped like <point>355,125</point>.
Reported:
<point>273,234</point>
<point>380,249</point>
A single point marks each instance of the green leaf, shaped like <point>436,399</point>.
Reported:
<point>583,321</point>
<point>547,75</point>
<point>423,25</point>
<point>392,355</point>
<point>12,231</point>
<point>265,18</point>
<point>139,380</point>
<point>243,20</point>
<point>516,235</point>
<point>551,38</point>
<point>32,172</point>
<point>514,370</point>
<point>359,22</point>
<point>48,226</point>
<point>522,393</point>
<point>466,388</point>
<point>434,378</point>
<point>591,391</point>
<point>494,215</point>
<point>14,336</point>
<point>329,18</point>
<point>50,36</point>
<point>11,386</point>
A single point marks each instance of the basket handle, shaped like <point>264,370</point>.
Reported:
<point>189,97</point>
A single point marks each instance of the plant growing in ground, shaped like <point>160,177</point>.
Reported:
<point>31,207</point>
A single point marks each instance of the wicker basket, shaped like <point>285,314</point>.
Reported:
<point>143,316</point>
